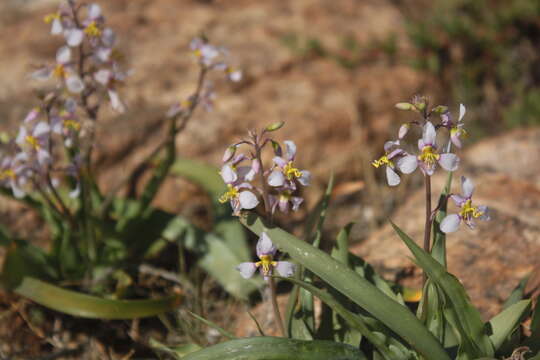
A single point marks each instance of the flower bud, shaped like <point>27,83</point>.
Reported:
<point>275,126</point>
<point>403,130</point>
<point>229,153</point>
<point>405,106</point>
<point>277,148</point>
<point>441,109</point>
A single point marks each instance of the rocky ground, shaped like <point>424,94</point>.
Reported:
<point>338,115</point>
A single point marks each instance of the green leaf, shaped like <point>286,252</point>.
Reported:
<point>518,293</point>
<point>86,306</point>
<point>272,348</point>
<point>359,290</point>
<point>354,320</point>
<point>467,317</point>
<point>5,238</point>
<point>504,323</point>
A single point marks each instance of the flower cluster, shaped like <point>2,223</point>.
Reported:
<point>278,185</point>
<point>266,251</point>
<point>430,155</point>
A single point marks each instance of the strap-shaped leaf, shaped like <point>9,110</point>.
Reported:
<point>273,348</point>
<point>467,317</point>
<point>504,323</point>
<point>86,306</point>
<point>438,250</point>
<point>359,290</point>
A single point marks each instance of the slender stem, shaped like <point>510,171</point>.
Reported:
<point>275,306</point>
<point>427,228</point>
<point>266,200</point>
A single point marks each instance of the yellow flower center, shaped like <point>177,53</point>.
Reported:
<point>197,53</point>
<point>32,141</point>
<point>186,103</point>
<point>468,211</point>
<point>59,71</point>
<point>266,262</point>
<point>291,172</point>
<point>92,29</point>
<point>428,156</point>
<point>232,193</point>
<point>382,161</point>
<point>7,174</point>
<point>51,17</point>
<point>72,125</point>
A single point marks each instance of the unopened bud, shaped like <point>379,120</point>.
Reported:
<point>229,153</point>
<point>277,148</point>
<point>441,109</point>
<point>405,106</point>
<point>275,126</point>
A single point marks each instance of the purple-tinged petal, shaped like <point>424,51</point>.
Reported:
<point>235,75</point>
<point>470,223</point>
<point>450,223</point>
<point>389,145</point>
<point>279,161</point>
<point>63,55</point>
<point>94,11</point>
<point>108,38</point>
<point>244,185</point>
<point>103,76</point>
<point>17,191</point>
<point>283,204</point>
<point>116,103</point>
<point>305,178</point>
<point>56,27</point>
<point>403,130</point>
<point>429,134</point>
<point>285,268</point>
<point>467,187</point>
<point>392,177</point>
<point>43,157</point>
<point>458,199</point>
<point>42,74</point>
<point>21,136</point>
<point>255,168</point>
<point>421,144</point>
<point>407,164</point>
<point>395,153</point>
<point>74,37</point>
<point>462,111</point>
<point>449,162</point>
<point>276,178</point>
<point>454,137</point>
<point>296,202</point>
<point>246,269</point>
<point>265,246</point>
<point>229,153</point>
<point>237,159</point>
<point>42,128</point>
<point>291,149</point>
<point>248,200</point>
<point>32,115</point>
<point>485,212</point>
<point>228,174</point>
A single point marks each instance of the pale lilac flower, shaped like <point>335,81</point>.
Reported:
<point>109,79</point>
<point>206,53</point>
<point>238,192</point>
<point>266,252</point>
<point>456,129</point>
<point>285,174</point>
<point>35,141</point>
<point>9,176</point>
<point>429,156</point>
<point>468,212</point>
<point>284,201</point>
<point>392,176</point>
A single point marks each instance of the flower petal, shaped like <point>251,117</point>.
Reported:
<point>276,178</point>
<point>42,128</point>
<point>392,177</point>
<point>296,202</point>
<point>450,223</point>
<point>94,11</point>
<point>116,102</point>
<point>305,178</point>
<point>485,212</point>
<point>246,269</point>
<point>265,246</point>
<point>56,27</point>
<point>291,149</point>
<point>429,134</point>
<point>285,268</point>
<point>74,37</point>
<point>407,164</point>
<point>63,55</point>
<point>462,111</point>
<point>74,84</point>
<point>403,130</point>
<point>458,199</point>
<point>467,187</point>
<point>248,200</point>
<point>228,174</point>
<point>449,162</point>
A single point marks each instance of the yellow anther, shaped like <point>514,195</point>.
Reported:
<point>32,141</point>
<point>92,29</point>
<point>429,156</point>
<point>72,125</point>
<point>468,211</point>
<point>6,174</point>
<point>197,53</point>
<point>51,17</point>
<point>186,103</point>
<point>232,193</point>
<point>291,172</point>
<point>382,161</point>
<point>266,263</point>
<point>59,71</point>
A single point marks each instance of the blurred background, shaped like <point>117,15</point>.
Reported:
<point>332,70</point>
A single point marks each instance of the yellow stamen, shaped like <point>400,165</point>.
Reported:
<point>197,53</point>
<point>59,71</point>
<point>186,103</point>
<point>51,17</point>
<point>72,125</point>
<point>468,211</point>
<point>6,174</point>
<point>32,141</point>
<point>382,161</point>
<point>428,156</point>
<point>266,262</point>
<point>232,193</point>
<point>291,172</point>
<point>92,30</point>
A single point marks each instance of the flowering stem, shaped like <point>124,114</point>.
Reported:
<point>427,228</point>
<point>275,306</point>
